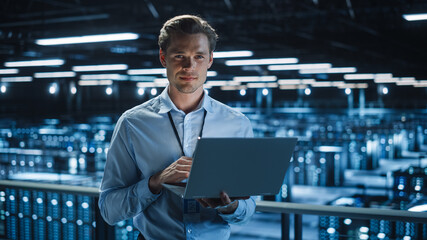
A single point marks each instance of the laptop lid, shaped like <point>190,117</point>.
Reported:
<point>239,166</point>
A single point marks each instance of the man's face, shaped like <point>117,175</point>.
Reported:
<point>187,60</point>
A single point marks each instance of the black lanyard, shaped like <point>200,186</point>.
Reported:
<point>176,131</point>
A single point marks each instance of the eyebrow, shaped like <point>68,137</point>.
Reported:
<point>175,51</point>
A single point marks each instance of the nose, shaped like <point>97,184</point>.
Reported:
<point>188,64</point>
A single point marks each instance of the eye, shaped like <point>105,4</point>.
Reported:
<point>200,57</point>
<point>178,56</point>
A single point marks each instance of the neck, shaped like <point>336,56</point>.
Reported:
<point>186,102</point>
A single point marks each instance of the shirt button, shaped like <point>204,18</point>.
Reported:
<point>189,230</point>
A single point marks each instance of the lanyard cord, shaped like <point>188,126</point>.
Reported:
<point>176,131</point>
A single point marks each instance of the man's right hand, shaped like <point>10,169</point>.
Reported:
<point>176,172</point>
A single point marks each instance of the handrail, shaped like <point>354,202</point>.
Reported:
<point>263,206</point>
<point>90,191</point>
<point>347,212</point>
<point>284,208</point>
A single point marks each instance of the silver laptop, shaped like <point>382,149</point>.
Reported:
<point>238,166</point>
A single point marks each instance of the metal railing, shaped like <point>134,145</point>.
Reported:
<point>284,208</point>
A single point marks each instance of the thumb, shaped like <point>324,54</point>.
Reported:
<point>225,199</point>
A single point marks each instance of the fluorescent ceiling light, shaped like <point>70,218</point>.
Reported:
<point>407,79</point>
<point>329,70</point>
<point>361,85</point>
<point>107,67</point>
<point>322,84</point>
<point>383,75</point>
<point>218,83</point>
<point>308,81</point>
<point>9,71</point>
<point>142,78</point>
<point>415,17</point>
<point>47,62</point>
<point>103,76</point>
<point>361,76</point>
<point>337,83</point>
<point>231,88</point>
<point>212,74</point>
<point>95,82</point>
<point>16,79</point>
<point>367,76</point>
<point>88,39</point>
<point>150,84</point>
<point>288,81</point>
<point>161,81</point>
<point>255,78</point>
<point>299,66</point>
<point>265,61</point>
<point>386,80</point>
<point>54,74</point>
<point>152,71</point>
<point>406,83</point>
<point>231,54</point>
<point>419,84</point>
<point>291,87</point>
<point>262,85</point>
<point>353,85</point>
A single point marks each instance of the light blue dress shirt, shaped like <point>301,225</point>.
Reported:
<point>144,143</point>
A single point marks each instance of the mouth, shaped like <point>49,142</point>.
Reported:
<point>187,78</point>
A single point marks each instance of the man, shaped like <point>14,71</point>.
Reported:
<point>153,144</point>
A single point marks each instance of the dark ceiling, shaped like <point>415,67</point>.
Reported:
<point>370,35</point>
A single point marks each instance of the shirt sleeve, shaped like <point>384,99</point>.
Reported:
<point>247,130</point>
<point>124,191</point>
<point>243,213</point>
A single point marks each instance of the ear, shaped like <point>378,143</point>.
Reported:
<point>162,58</point>
<point>210,59</point>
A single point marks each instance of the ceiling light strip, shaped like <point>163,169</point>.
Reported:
<point>329,70</point>
<point>17,79</point>
<point>265,61</point>
<point>54,74</point>
<point>88,39</point>
<point>233,54</point>
<point>106,67</point>
<point>95,82</point>
<point>255,78</point>
<point>152,71</point>
<point>299,66</point>
<point>9,71</point>
<point>262,85</point>
<point>415,17</point>
<point>35,63</point>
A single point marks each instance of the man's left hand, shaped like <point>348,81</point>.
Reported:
<point>227,205</point>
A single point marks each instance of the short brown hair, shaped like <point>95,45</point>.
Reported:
<point>188,24</point>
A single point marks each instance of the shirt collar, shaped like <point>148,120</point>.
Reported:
<point>167,105</point>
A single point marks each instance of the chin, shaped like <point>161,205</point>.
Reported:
<point>189,89</point>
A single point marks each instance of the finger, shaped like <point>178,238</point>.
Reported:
<point>175,176</point>
<point>225,199</point>
<point>186,158</point>
<point>184,162</point>
<point>239,198</point>
<point>203,203</point>
<point>186,168</point>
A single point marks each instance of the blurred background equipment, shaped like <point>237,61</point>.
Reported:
<point>348,78</point>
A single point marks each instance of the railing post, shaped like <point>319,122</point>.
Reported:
<point>285,226</point>
<point>298,227</point>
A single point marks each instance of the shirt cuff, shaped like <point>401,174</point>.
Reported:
<point>142,192</point>
<point>238,215</point>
